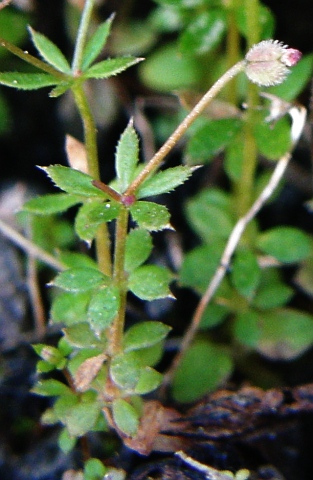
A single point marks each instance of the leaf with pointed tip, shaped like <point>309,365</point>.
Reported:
<point>51,203</point>
<point>91,215</point>
<point>150,216</point>
<point>126,157</point>
<point>149,380</point>
<point>125,417</point>
<point>110,67</point>
<point>150,282</point>
<point>27,81</point>
<point>96,43</point>
<point>61,88</point>
<point>73,181</point>
<point>164,181</point>
<point>50,388</point>
<point>80,279</point>
<point>49,51</point>
<point>138,248</point>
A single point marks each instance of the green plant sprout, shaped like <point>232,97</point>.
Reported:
<point>109,368</point>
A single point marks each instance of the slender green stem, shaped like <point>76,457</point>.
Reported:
<point>119,276</point>
<point>157,159</point>
<point>245,187</point>
<point>232,48</point>
<point>90,131</point>
<point>82,36</point>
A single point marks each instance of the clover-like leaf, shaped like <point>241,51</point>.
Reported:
<point>150,282</point>
<point>73,181</point>
<point>110,67</point>
<point>96,43</point>
<point>164,181</point>
<point>80,279</point>
<point>126,156</point>
<point>103,308</point>
<point>138,248</point>
<point>150,215</point>
<point>144,334</point>
<point>50,52</point>
<point>125,417</point>
<point>27,81</point>
<point>91,215</point>
<point>51,203</point>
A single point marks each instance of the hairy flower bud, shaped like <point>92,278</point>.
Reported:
<point>268,62</point>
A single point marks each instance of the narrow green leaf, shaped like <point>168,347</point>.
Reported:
<point>61,88</point>
<point>246,273</point>
<point>96,43</point>
<point>50,204</point>
<point>103,308</point>
<point>165,181</point>
<point>49,51</point>
<point>138,248</point>
<point>204,367</point>
<point>286,244</point>
<point>73,181</point>
<point>126,156</point>
<point>91,215</point>
<point>125,417</point>
<point>51,388</point>
<point>110,67</point>
<point>144,334</point>
<point>27,81</point>
<point>70,308</point>
<point>149,380</point>
<point>150,215</point>
<point>125,370</point>
<point>150,282</point>
<point>80,279</point>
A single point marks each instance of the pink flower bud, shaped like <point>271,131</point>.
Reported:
<point>268,62</point>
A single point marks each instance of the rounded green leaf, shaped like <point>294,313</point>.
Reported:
<point>286,244</point>
<point>103,308</point>
<point>138,248</point>
<point>81,335</point>
<point>65,441</point>
<point>82,417</point>
<point>273,141</point>
<point>144,334</point>
<point>150,215</point>
<point>91,215</point>
<point>149,380</point>
<point>246,273</point>
<point>125,417</point>
<point>94,469</point>
<point>51,388</point>
<point>211,137</point>
<point>80,279</point>
<point>168,70</point>
<point>70,308</point>
<point>125,370</point>
<point>203,368</point>
<point>284,334</point>
<point>272,292</point>
<point>150,282</point>
<point>203,33</point>
<point>247,328</point>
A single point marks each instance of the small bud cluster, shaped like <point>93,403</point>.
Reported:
<point>268,62</point>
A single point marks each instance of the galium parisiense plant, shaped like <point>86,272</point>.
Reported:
<point>107,368</point>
